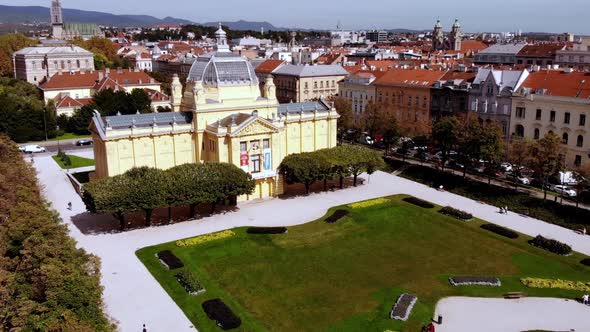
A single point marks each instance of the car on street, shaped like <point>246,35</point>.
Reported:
<point>565,191</point>
<point>83,142</point>
<point>32,149</point>
<point>506,167</point>
<point>518,178</point>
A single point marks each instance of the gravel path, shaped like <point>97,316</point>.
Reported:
<point>466,314</point>
<point>133,297</point>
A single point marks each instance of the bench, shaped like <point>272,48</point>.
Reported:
<point>514,295</point>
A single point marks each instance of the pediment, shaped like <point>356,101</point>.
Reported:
<point>256,126</point>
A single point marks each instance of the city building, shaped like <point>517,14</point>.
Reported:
<point>299,83</point>
<point>503,54</point>
<point>577,56</point>
<point>37,63</point>
<point>69,31</point>
<point>556,101</point>
<point>407,94</point>
<point>450,95</point>
<point>359,90</point>
<point>539,54</point>
<point>452,43</point>
<point>491,95</point>
<point>377,36</point>
<point>223,117</point>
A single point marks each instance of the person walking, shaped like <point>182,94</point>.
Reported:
<point>70,206</point>
<point>506,209</point>
<point>585,299</point>
<point>144,328</point>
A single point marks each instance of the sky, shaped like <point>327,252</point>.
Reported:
<point>474,15</point>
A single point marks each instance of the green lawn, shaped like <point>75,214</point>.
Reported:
<point>346,276</point>
<point>69,136</point>
<point>76,162</point>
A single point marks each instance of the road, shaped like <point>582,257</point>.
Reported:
<point>53,146</point>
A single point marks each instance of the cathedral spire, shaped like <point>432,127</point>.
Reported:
<point>56,19</point>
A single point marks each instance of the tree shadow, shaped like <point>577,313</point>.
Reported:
<point>298,190</point>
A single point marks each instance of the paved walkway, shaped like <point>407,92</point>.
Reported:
<point>465,314</point>
<point>134,297</point>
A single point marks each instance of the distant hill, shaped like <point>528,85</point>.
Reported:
<point>38,14</point>
<point>246,25</point>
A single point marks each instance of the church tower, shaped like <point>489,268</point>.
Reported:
<point>438,37</point>
<point>57,23</point>
<point>221,38</point>
<point>455,37</point>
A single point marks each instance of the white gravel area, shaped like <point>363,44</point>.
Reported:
<point>133,297</point>
<point>469,314</point>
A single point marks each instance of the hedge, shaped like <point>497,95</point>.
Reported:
<point>403,307</point>
<point>193,241</point>
<point>169,259</point>
<point>479,281</point>
<point>336,216</point>
<point>500,230</point>
<point>222,315</point>
<point>585,261</point>
<point>551,245</point>
<point>266,230</point>
<point>556,283</point>
<point>189,282</point>
<point>418,202</point>
<point>452,212</point>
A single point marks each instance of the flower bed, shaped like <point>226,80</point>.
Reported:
<point>452,212</point>
<point>336,216</point>
<point>193,241</point>
<point>373,202</point>
<point>266,230</point>
<point>551,245</point>
<point>500,230</point>
<point>556,283</point>
<point>585,261</point>
<point>169,260</point>
<point>189,282</point>
<point>479,281</point>
<point>223,316</point>
<point>403,307</point>
<point>419,202</point>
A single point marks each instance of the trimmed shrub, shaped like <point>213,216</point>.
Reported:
<point>403,307</point>
<point>169,260</point>
<point>266,230</point>
<point>585,261</point>
<point>222,315</point>
<point>479,281</point>
<point>336,216</point>
<point>189,282</point>
<point>418,202</point>
<point>193,241</point>
<point>556,283</point>
<point>551,245</point>
<point>500,230</point>
<point>452,212</point>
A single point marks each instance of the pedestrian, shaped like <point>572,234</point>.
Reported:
<point>441,188</point>
<point>585,298</point>
<point>144,328</point>
<point>584,231</point>
<point>501,210</point>
<point>70,206</point>
<point>506,209</point>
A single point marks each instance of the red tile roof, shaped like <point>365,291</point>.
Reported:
<point>546,50</point>
<point>268,66</point>
<point>156,96</point>
<point>98,78</point>
<point>68,102</point>
<point>472,46</point>
<point>559,83</point>
<point>410,77</point>
<point>468,76</point>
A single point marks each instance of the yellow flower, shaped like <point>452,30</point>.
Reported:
<point>556,283</point>
<point>193,241</point>
<point>365,204</point>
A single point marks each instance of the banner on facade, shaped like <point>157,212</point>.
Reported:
<point>267,160</point>
<point>244,162</point>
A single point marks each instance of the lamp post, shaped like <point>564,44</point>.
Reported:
<point>45,123</point>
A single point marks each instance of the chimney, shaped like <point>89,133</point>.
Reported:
<point>100,75</point>
<point>119,70</point>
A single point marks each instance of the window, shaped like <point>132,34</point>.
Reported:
<point>243,146</point>
<point>519,131</point>
<point>538,115</point>
<point>306,85</point>
<point>552,116</point>
<point>417,101</point>
<point>564,138</point>
<point>254,145</point>
<point>266,143</point>
<point>333,84</point>
<point>580,141</point>
<point>582,119</point>
<point>520,112</point>
<point>315,85</point>
<point>321,84</point>
<point>537,134</point>
<point>78,63</point>
<point>255,164</point>
<point>578,160</point>
<point>211,145</point>
<point>34,65</point>
<point>566,118</point>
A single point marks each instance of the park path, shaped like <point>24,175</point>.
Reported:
<point>133,297</point>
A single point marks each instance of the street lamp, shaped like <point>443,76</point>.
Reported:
<point>45,123</point>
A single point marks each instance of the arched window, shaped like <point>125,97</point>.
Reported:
<point>580,141</point>
<point>519,131</point>
<point>537,133</point>
<point>564,138</point>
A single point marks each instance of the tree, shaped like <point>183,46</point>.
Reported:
<point>150,190</point>
<point>582,177</point>
<point>469,142</point>
<point>302,168</point>
<point>10,43</point>
<point>110,196</point>
<point>519,154</point>
<point>547,159</point>
<point>445,137</point>
<point>186,183</point>
<point>225,181</point>
<point>346,119</point>
<point>359,159</point>
<point>492,147</point>
<point>105,51</point>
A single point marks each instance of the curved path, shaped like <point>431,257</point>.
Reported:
<point>133,297</point>
<point>466,314</point>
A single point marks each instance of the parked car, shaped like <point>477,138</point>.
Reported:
<point>84,142</point>
<point>518,178</point>
<point>32,149</point>
<point>506,167</point>
<point>565,191</point>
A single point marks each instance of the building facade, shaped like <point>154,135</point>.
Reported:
<point>558,102</point>
<point>452,43</point>
<point>501,54</point>
<point>491,95</point>
<point>577,56</point>
<point>359,91</point>
<point>450,95</point>
<point>300,83</point>
<point>224,117</point>
<point>36,64</point>
<point>69,31</point>
<point>539,55</point>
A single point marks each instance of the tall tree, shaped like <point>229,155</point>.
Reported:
<point>470,140</point>
<point>582,177</point>
<point>302,168</point>
<point>492,148</point>
<point>346,119</point>
<point>547,159</point>
<point>445,137</point>
<point>10,43</point>
<point>519,155</point>
<point>150,190</point>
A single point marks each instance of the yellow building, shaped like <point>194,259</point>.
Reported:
<point>224,116</point>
